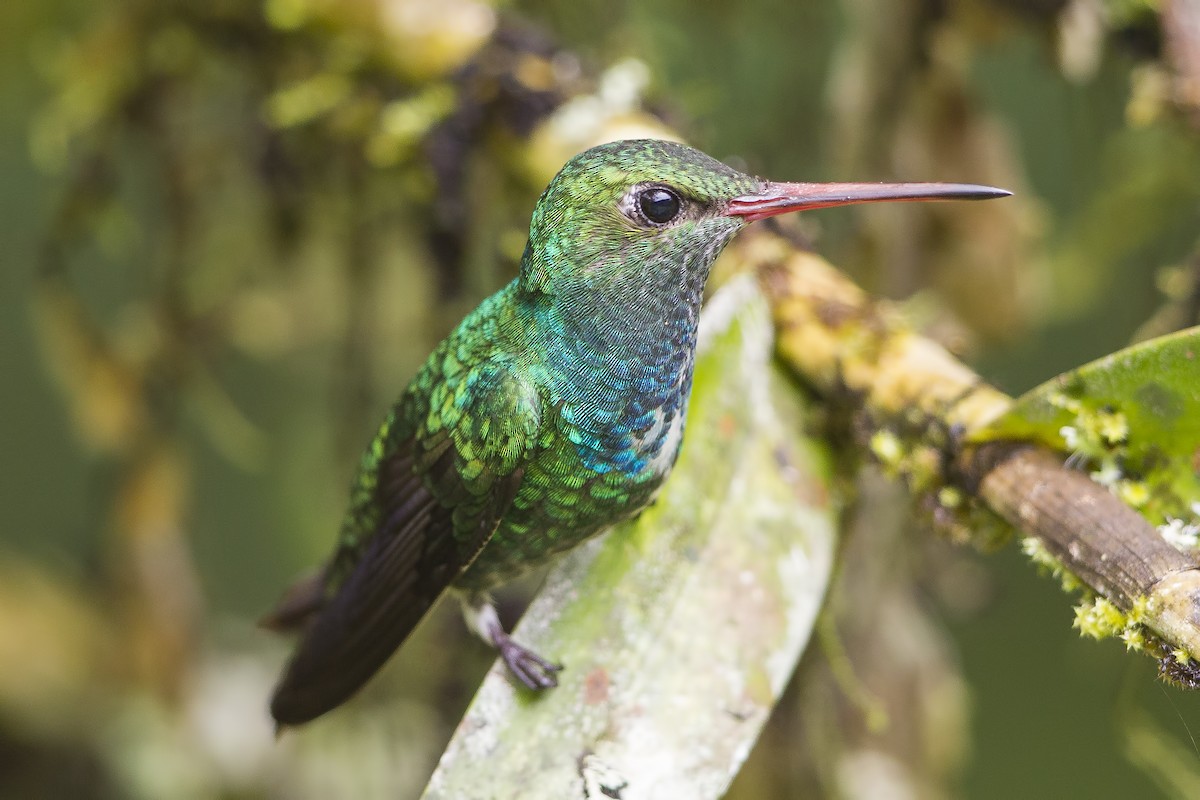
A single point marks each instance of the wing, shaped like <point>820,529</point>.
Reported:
<point>431,491</point>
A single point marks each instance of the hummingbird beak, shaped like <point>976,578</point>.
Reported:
<point>783,198</point>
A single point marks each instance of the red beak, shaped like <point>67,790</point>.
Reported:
<point>783,198</point>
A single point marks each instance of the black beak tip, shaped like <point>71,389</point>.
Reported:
<point>985,193</point>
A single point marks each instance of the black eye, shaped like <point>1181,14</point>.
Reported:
<point>659,205</point>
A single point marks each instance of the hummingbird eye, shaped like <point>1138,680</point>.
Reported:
<point>659,205</point>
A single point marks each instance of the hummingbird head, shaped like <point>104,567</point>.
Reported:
<point>618,213</point>
<point>637,213</point>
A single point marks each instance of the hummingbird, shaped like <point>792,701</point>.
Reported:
<point>553,411</point>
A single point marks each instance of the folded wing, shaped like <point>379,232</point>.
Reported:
<point>430,494</point>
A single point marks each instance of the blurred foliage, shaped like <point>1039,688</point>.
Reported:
<point>240,225</point>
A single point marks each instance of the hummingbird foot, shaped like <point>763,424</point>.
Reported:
<point>524,664</point>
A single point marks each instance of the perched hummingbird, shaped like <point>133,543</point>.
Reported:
<point>554,410</point>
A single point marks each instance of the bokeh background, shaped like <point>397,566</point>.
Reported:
<point>233,230</point>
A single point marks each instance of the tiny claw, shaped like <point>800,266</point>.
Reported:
<point>528,667</point>
<point>525,665</point>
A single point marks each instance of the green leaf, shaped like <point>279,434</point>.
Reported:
<point>1133,417</point>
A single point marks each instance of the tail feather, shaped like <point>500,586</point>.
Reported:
<point>357,630</point>
<point>300,603</point>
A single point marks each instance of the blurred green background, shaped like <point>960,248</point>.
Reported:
<point>225,252</point>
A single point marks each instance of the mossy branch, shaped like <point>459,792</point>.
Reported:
<point>856,352</point>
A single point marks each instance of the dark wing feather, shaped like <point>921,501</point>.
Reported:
<point>381,587</point>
